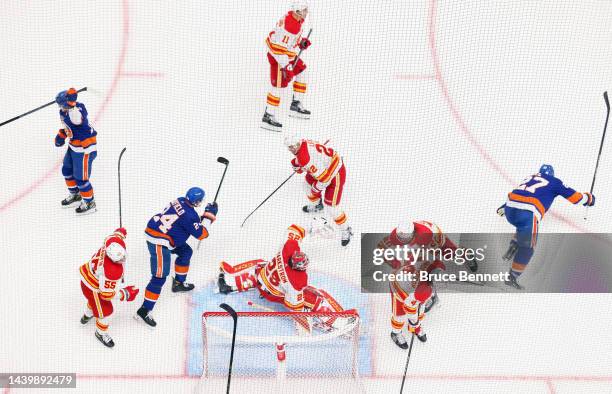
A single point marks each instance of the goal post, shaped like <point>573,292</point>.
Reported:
<point>296,348</point>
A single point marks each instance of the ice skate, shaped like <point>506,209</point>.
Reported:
<point>269,122</point>
<point>297,110</point>
<point>143,314</point>
<point>420,334</point>
<point>224,288</point>
<point>71,199</point>
<point>513,282</point>
<point>86,207</point>
<point>399,340</point>
<point>105,339</point>
<point>85,319</point>
<point>313,208</point>
<point>346,236</point>
<point>178,287</point>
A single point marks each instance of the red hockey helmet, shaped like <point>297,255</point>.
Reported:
<point>298,261</point>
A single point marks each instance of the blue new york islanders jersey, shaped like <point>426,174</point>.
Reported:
<point>538,192</point>
<point>173,226</point>
<point>82,135</point>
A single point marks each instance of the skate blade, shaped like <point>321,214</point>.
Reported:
<point>142,322</point>
<point>271,128</point>
<point>93,210</point>
<point>72,205</point>
<point>298,116</point>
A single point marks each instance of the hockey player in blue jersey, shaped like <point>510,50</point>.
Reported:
<point>167,233</point>
<point>525,208</point>
<point>81,151</point>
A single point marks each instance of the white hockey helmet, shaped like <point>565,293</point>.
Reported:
<point>300,6</point>
<point>292,142</point>
<point>405,231</point>
<point>116,252</point>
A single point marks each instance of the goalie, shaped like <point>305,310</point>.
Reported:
<point>282,280</point>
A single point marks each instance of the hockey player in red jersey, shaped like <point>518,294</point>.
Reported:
<point>325,177</point>
<point>282,280</point>
<point>283,43</point>
<point>99,284</point>
<point>411,300</point>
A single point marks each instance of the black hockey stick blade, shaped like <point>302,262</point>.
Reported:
<point>222,160</point>
<point>229,310</point>
<point>35,109</point>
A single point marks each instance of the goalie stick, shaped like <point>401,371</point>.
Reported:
<point>234,316</point>
<point>35,109</point>
<point>603,137</point>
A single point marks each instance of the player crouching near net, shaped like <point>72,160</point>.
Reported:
<point>325,177</point>
<point>99,277</point>
<point>284,280</point>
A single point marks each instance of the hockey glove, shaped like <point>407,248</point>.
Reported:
<point>305,43</point>
<point>501,211</point>
<point>210,212</point>
<point>60,138</point>
<point>589,199</point>
<point>128,293</point>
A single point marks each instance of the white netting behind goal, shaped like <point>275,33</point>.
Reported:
<point>281,350</point>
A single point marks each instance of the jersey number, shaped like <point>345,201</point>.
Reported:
<point>166,221</point>
<point>273,276</point>
<point>109,284</point>
<point>540,182</point>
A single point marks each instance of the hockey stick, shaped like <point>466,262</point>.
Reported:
<point>225,162</point>
<point>271,194</point>
<point>35,109</point>
<point>119,184</point>
<point>407,361</point>
<point>234,316</point>
<point>600,147</point>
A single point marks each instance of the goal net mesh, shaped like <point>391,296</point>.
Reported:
<point>274,349</point>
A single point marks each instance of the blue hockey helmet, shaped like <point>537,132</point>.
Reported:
<point>547,169</point>
<point>66,98</point>
<point>195,195</point>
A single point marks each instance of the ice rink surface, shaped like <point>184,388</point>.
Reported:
<point>439,108</point>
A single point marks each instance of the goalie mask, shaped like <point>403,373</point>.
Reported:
<point>298,261</point>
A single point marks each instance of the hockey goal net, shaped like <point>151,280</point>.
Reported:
<point>288,352</point>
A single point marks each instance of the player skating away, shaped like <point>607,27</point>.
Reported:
<point>284,42</point>
<point>167,234</point>
<point>525,208</point>
<point>282,280</point>
<point>81,151</point>
<point>325,177</point>
<point>99,284</point>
